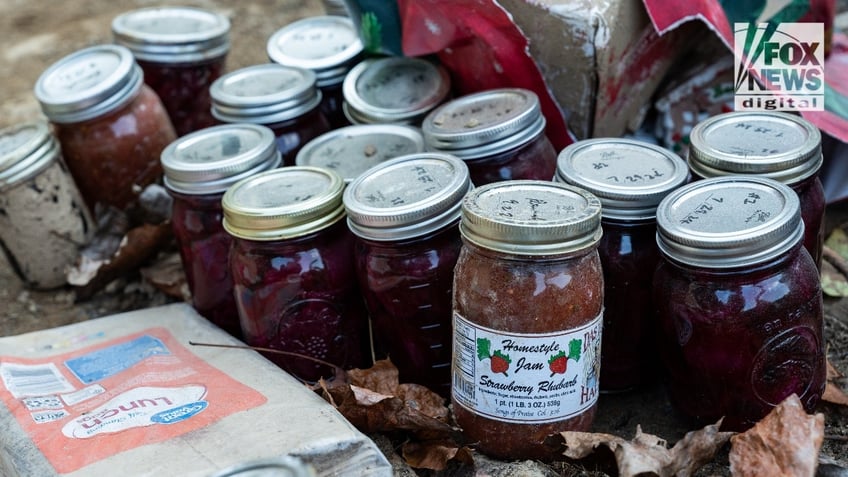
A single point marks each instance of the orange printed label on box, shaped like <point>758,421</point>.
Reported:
<point>87,405</point>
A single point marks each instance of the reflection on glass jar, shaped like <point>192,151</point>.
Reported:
<point>181,50</point>
<point>739,301</point>
<point>293,270</point>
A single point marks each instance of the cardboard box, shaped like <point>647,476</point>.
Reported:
<point>128,395</point>
<point>602,59</point>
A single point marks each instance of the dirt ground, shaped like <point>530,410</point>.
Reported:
<point>36,33</point>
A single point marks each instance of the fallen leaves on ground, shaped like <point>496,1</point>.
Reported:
<point>648,454</point>
<point>784,443</point>
<point>166,273</point>
<point>834,270</point>
<point>832,392</point>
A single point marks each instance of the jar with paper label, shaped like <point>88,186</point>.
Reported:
<point>328,45</point>
<point>528,308</point>
<point>630,178</point>
<point>181,50</point>
<point>283,98</point>
<point>499,133</point>
<point>781,146</point>
<point>352,150</point>
<point>199,167</point>
<point>44,221</point>
<point>398,90</point>
<point>110,125</point>
<point>293,271</point>
<point>739,301</point>
<point>405,214</point>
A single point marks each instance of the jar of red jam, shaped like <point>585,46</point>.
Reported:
<point>293,270</point>
<point>499,133</point>
<point>199,167</point>
<point>781,146</point>
<point>181,50</point>
<point>528,306</point>
<point>44,221</point>
<point>399,90</point>
<point>110,125</point>
<point>739,301</point>
<point>329,46</point>
<point>352,150</point>
<point>630,178</point>
<point>283,98</point>
<point>405,214</point>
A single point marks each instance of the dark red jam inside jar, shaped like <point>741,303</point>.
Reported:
<point>110,125</point>
<point>329,46</point>
<point>283,98</point>
<point>405,214</point>
<point>199,167</point>
<point>630,178</point>
<point>499,133</point>
<point>780,146</point>
<point>293,271</point>
<point>181,50</point>
<point>739,301</point>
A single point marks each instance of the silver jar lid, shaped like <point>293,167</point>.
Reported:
<point>525,217</point>
<point>393,90</point>
<point>210,160</point>
<point>173,34</point>
<point>781,146</point>
<point>352,150</point>
<point>283,203</point>
<point>264,94</point>
<point>284,466</point>
<point>629,177</point>
<point>729,222</point>
<point>25,150</point>
<point>88,83</point>
<point>484,123</point>
<point>328,45</point>
<point>408,196</point>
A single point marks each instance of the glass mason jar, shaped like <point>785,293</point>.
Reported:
<point>293,270</point>
<point>739,301</point>
<point>630,178</point>
<point>282,98</point>
<point>528,305</point>
<point>327,45</point>
<point>199,167</point>
<point>111,126</point>
<point>405,214</point>
<point>181,50</point>
<point>352,150</point>
<point>780,146</point>
<point>399,90</point>
<point>499,133</point>
<point>45,221</point>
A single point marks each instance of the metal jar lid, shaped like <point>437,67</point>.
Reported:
<point>393,90</point>
<point>88,83</point>
<point>173,34</point>
<point>408,196</point>
<point>781,146</point>
<point>283,466</point>
<point>352,150</point>
<point>629,177</point>
<point>25,150</point>
<point>283,203</point>
<point>525,217</point>
<point>264,94</point>
<point>485,123</point>
<point>328,45</point>
<point>210,160</point>
<point>729,222</point>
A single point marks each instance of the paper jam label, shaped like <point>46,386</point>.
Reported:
<point>526,378</point>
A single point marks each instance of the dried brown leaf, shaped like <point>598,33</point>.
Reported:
<point>784,443</point>
<point>833,282</point>
<point>382,377</point>
<point>834,395</point>
<point>434,455</point>
<point>832,372</point>
<point>167,275</point>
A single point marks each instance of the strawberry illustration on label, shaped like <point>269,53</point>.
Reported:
<point>558,363</point>
<point>498,361</point>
